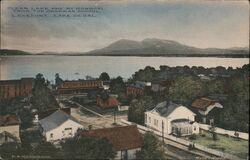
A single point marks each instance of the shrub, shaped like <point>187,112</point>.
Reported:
<point>193,137</point>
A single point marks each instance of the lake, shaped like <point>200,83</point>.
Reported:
<point>75,67</point>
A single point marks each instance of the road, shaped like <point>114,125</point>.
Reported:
<point>172,149</point>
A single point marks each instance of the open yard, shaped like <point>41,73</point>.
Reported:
<point>224,143</point>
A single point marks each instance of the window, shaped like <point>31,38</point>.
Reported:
<point>145,118</point>
<point>149,119</point>
<point>194,128</point>
<point>51,135</point>
<point>155,122</point>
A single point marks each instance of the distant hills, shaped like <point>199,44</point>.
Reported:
<point>9,52</point>
<point>159,47</point>
<point>148,47</point>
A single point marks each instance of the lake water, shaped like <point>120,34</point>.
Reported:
<point>75,67</point>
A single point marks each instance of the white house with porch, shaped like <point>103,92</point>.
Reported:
<point>171,118</point>
<point>59,125</point>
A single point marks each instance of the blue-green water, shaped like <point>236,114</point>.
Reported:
<point>75,67</point>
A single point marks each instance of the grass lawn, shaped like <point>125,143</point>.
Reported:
<point>224,143</point>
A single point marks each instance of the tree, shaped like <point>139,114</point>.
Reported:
<point>39,80</point>
<point>58,80</point>
<point>214,134</point>
<point>104,76</point>
<point>151,148</point>
<point>42,98</point>
<point>137,109</point>
<point>9,150</point>
<point>185,89</point>
<point>46,149</point>
<point>117,85</point>
<point>87,148</point>
<point>26,117</point>
<point>147,74</point>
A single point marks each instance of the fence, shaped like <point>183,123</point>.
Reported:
<point>185,142</point>
<point>225,132</point>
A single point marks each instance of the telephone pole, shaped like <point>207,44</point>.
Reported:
<point>162,130</point>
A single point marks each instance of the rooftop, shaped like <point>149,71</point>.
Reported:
<point>122,138</point>
<point>165,108</point>
<point>55,119</point>
<point>15,81</point>
<point>203,103</point>
<point>8,119</point>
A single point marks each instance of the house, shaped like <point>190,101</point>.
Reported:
<point>16,88</point>
<point>204,77</point>
<point>123,108</point>
<point>137,88</point>
<point>9,129</point>
<point>205,105</point>
<point>78,87</point>
<point>126,140</point>
<point>36,115</point>
<point>59,125</point>
<point>159,86</point>
<point>171,118</point>
<point>109,102</point>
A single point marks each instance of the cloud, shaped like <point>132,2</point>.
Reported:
<point>202,24</point>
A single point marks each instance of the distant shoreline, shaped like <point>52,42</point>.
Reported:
<point>129,55</point>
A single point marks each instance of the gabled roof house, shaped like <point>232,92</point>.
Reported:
<point>126,140</point>
<point>171,118</point>
<point>59,125</point>
<point>9,128</point>
<point>205,105</point>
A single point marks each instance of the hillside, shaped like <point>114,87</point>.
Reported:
<point>159,47</point>
<point>9,52</point>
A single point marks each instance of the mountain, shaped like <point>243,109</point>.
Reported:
<point>160,47</point>
<point>10,52</point>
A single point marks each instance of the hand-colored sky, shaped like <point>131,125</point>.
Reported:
<point>203,24</point>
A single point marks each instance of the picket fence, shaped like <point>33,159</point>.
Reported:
<point>185,142</point>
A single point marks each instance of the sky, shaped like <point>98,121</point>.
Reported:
<point>203,24</point>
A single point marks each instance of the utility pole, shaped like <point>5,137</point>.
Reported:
<point>162,130</point>
<point>114,117</point>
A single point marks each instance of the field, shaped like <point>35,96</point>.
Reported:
<point>237,147</point>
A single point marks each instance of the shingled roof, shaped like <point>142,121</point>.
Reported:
<point>55,119</point>
<point>8,119</point>
<point>203,103</point>
<point>165,108</point>
<point>122,138</point>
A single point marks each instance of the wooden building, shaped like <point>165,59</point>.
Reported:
<point>109,102</point>
<point>16,88</point>
<point>9,129</point>
<point>75,87</point>
<point>126,140</point>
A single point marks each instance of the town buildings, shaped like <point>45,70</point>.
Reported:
<point>171,118</point>
<point>137,88</point>
<point>159,86</point>
<point>126,140</point>
<point>109,102</point>
<point>38,115</point>
<point>9,129</point>
<point>75,87</point>
<point>16,88</point>
<point>59,125</point>
<point>204,106</point>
